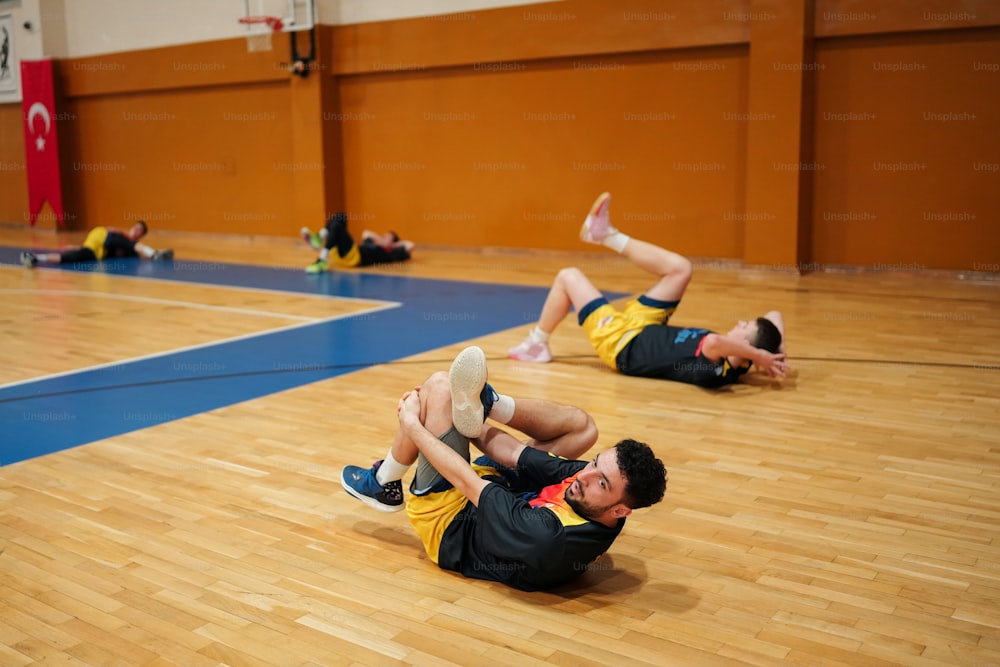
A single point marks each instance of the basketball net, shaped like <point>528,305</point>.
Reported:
<point>262,30</point>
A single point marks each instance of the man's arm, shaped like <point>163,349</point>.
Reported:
<point>501,447</point>
<point>384,240</point>
<point>444,459</point>
<point>716,347</point>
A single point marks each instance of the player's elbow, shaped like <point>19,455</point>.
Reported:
<point>473,490</point>
<point>711,347</point>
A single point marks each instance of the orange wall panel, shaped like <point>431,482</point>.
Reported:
<point>218,63</point>
<point>538,31</point>
<point>215,160</point>
<point>909,153</point>
<point>841,18</point>
<point>473,156</point>
<point>778,152</point>
<point>13,180</point>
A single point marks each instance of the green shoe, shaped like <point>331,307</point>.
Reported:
<point>319,266</point>
<point>312,238</point>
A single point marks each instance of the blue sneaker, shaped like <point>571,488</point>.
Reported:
<point>488,396</point>
<point>362,484</point>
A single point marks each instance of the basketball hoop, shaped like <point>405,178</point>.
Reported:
<point>273,22</point>
<point>260,29</point>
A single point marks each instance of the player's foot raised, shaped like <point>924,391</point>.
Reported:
<point>467,377</point>
<point>597,226</point>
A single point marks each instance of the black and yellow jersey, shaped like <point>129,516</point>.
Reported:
<point>527,539</point>
<point>674,353</point>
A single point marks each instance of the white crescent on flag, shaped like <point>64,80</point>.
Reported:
<point>38,109</point>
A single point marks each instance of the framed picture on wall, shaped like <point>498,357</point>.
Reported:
<point>9,69</point>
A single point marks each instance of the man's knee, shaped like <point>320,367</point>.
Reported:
<point>579,436</point>
<point>684,269</point>
<point>587,427</point>
<point>576,285</point>
<point>677,275</point>
<point>570,275</point>
<point>336,221</point>
<point>438,382</point>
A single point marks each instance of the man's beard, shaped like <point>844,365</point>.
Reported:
<point>585,510</point>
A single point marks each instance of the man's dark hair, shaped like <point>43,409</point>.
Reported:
<point>145,227</point>
<point>645,475</point>
<point>768,337</point>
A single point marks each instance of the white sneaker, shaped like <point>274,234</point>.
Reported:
<point>467,378</point>
<point>597,226</point>
<point>531,351</point>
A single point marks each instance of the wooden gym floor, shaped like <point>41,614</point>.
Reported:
<point>847,516</point>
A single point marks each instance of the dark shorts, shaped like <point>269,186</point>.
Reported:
<point>428,479</point>
<point>77,255</point>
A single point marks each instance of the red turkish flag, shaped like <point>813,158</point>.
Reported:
<point>41,144</point>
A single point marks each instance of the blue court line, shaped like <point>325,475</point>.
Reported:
<point>55,413</point>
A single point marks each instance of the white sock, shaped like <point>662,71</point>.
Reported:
<point>538,336</point>
<point>503,409</point>
<point>324,254</point>
<point>616,241</point>
<point>323,233</point>
<point>390,470</point>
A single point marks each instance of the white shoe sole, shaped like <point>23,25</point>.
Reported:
<point>467,378</point>
<point>585,229</point>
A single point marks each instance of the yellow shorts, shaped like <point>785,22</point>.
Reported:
<point>351,259</point>
<point>431,514</point>
<point>610,329</point>
<point>95,241</point>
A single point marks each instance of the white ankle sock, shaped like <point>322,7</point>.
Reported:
<point>390,470</point>
<point>324,254</point>
<point>503,409</point>
<point>323,233</point>
<point>538,336</point>
<point>616,241</point>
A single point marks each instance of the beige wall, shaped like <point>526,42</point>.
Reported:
<point>343,12</point>
<point>79,28</point>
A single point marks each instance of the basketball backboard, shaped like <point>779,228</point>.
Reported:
<point>294,15</point>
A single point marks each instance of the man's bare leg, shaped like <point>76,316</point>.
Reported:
<point>380,486</point>
<point>672,269</point>
<point>572,289</point>
<point>562,430</point>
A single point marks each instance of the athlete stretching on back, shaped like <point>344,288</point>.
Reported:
<point>337,247</point>
<point>637,340</point>
<point>102,243</point>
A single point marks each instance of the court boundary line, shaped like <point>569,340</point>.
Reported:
<point>265,290</point>
<point>147,299</point>
<point>385,306</point>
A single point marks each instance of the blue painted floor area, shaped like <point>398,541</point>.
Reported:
<point>49,415</point>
